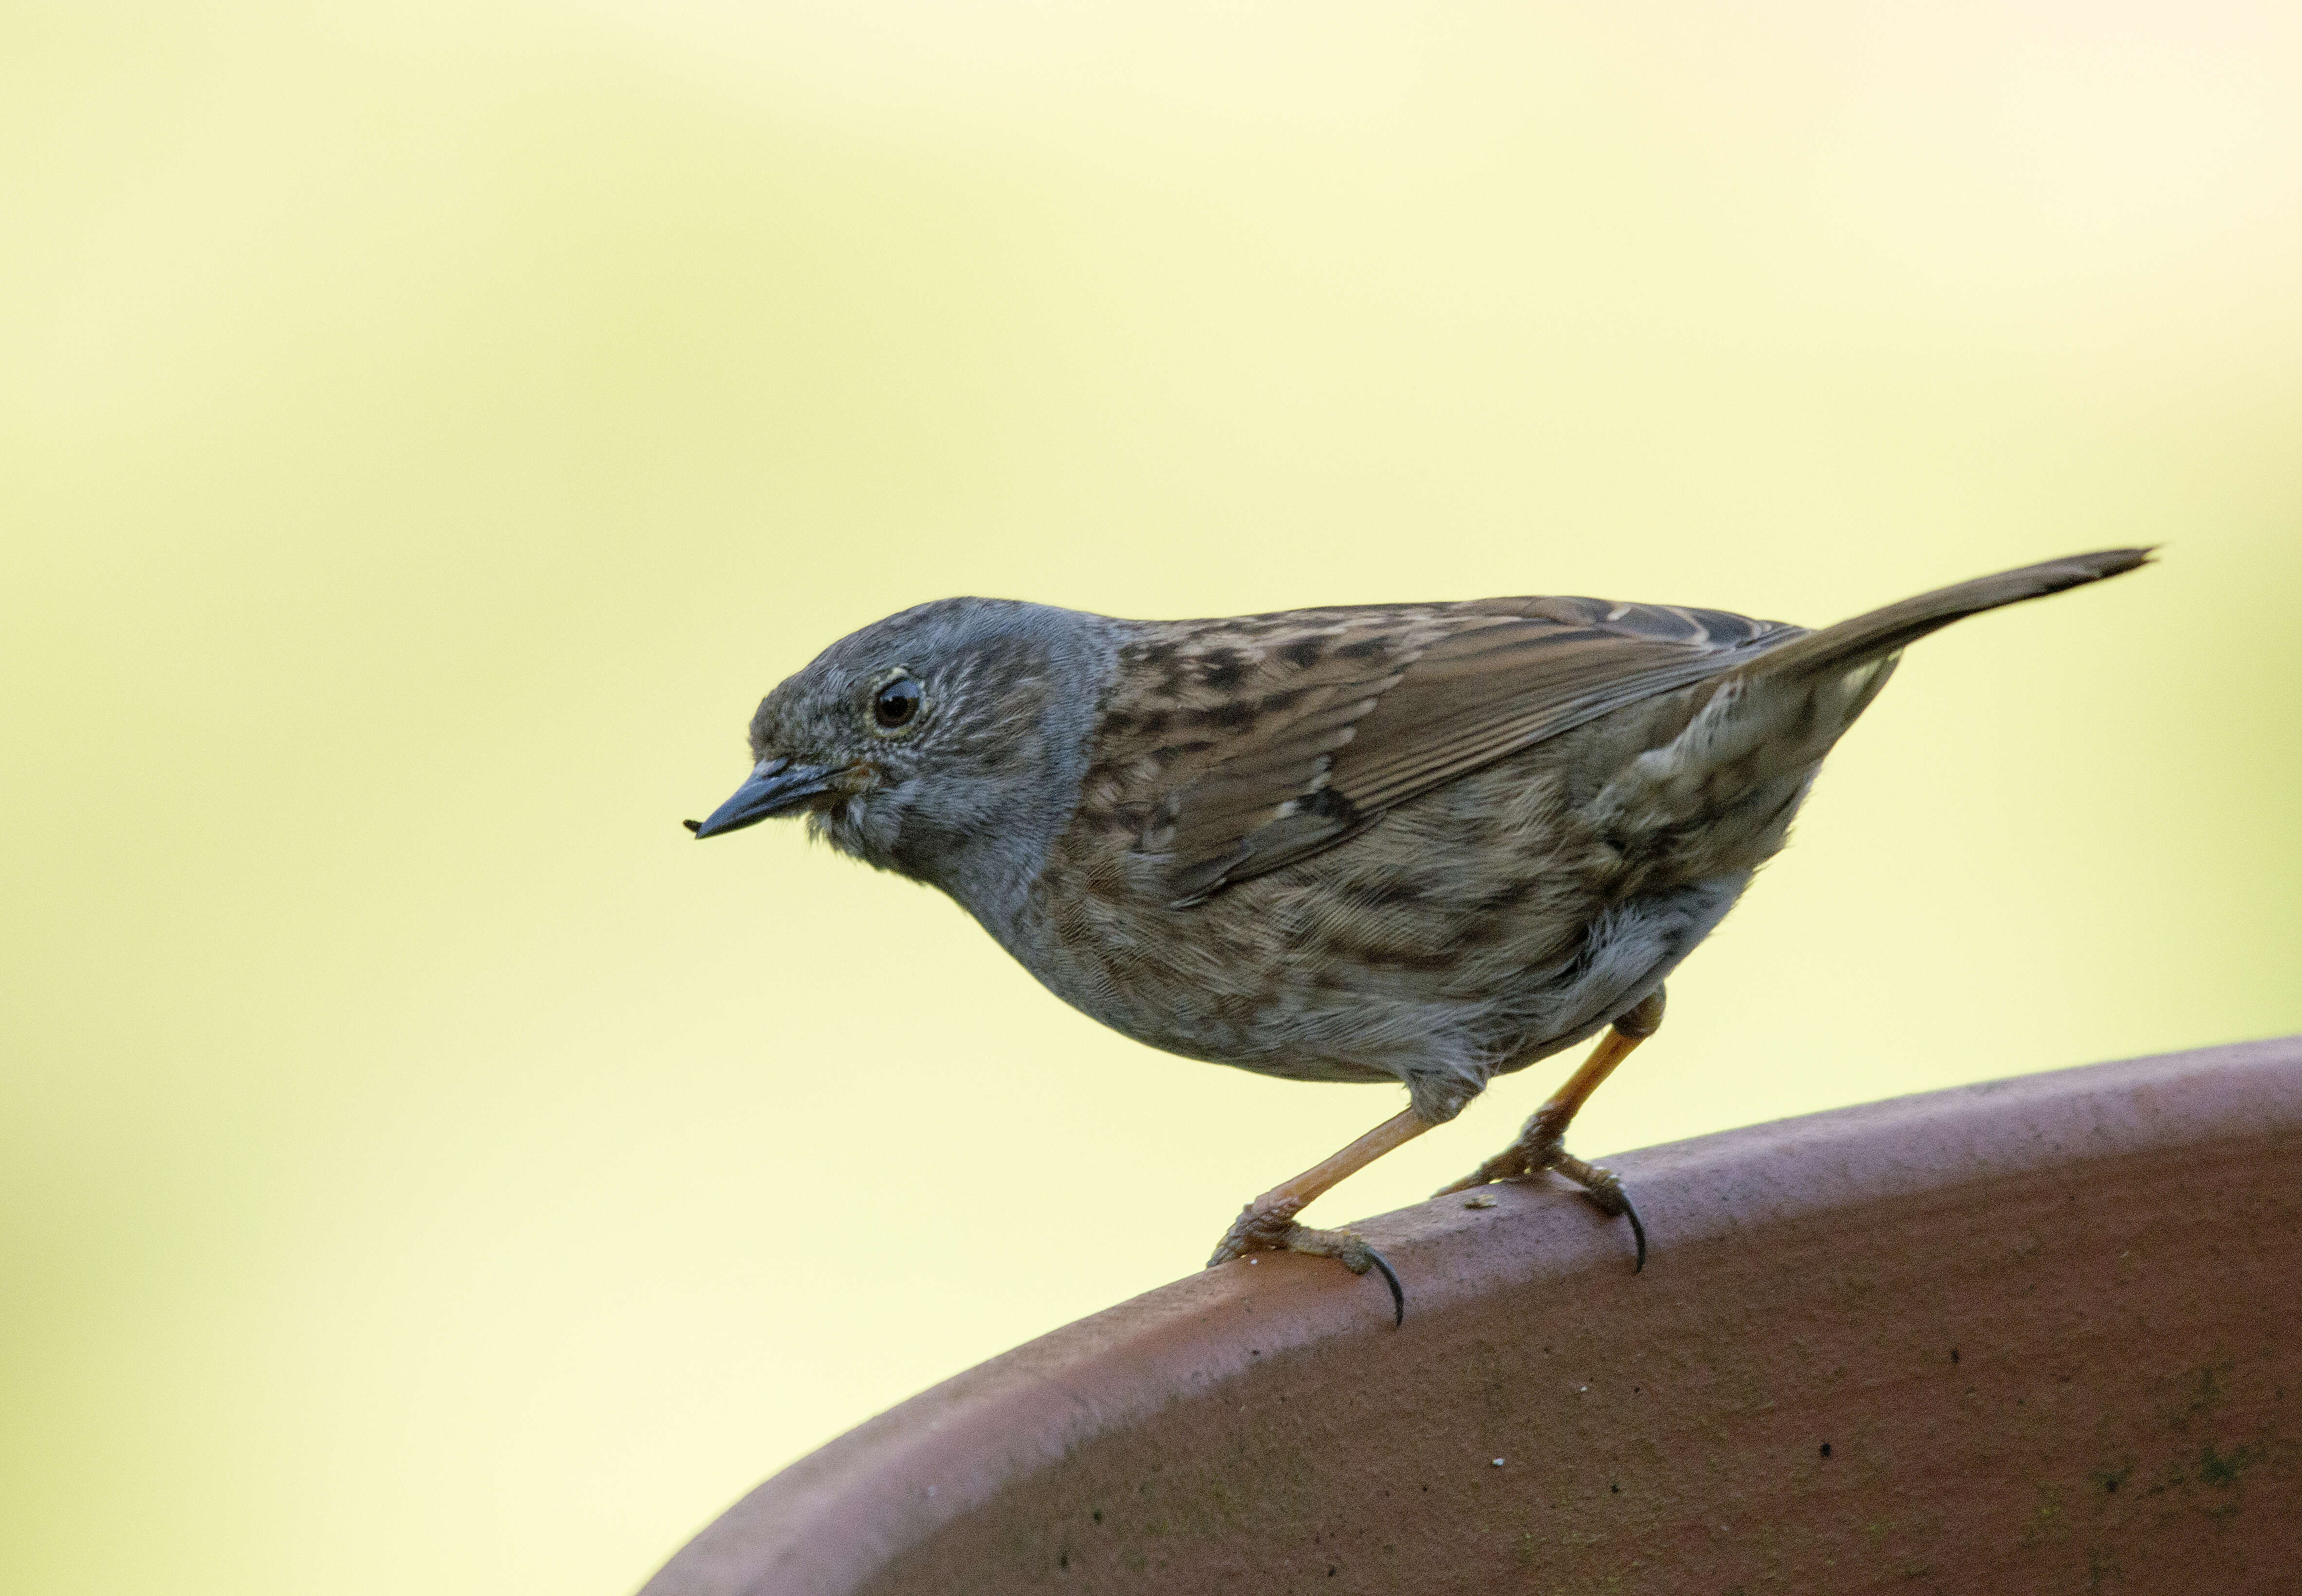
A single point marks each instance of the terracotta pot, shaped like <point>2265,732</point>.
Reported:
<point>2039,1335</point>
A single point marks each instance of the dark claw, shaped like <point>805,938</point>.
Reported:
<point>1606,1194</point>
<point>693,825</point>
<point>1390,1279</point>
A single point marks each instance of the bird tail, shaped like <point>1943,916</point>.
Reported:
<point>1726,786</point>
<point>1855,643</point>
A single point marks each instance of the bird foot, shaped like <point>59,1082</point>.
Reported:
<point>1270,1227</point>
<point>1541,1147</point>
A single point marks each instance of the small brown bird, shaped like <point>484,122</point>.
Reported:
<point>1422,843</point>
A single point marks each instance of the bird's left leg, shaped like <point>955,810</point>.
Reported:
<point>1267,1224</point>
<point>1541,1144</point>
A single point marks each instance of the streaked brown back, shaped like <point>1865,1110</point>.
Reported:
<point>1241,745</point>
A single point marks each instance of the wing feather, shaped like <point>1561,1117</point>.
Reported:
<point>1338,715</point>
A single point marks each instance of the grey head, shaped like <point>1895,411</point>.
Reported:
<point>945,743</point>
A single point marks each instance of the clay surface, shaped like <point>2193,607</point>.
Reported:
<point>2044,1334</point>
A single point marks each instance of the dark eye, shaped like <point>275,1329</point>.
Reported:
<point>895,704</point>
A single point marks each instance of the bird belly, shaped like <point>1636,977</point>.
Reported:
<point>1469,933</point>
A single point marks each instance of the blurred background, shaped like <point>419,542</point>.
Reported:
<point>425,430</point>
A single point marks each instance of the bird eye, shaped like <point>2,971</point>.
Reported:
<point>895,704</point>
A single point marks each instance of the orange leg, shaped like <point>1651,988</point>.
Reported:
<point>1541,1144</point>
<point>1267,1224</point>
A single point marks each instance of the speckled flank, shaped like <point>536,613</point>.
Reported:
<point>1478,927</point>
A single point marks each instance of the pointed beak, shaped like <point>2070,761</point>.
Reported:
<point>777,786</point>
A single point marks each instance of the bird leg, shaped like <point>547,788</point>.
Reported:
<point>1541,1143</point>
<point>1267,1224</point>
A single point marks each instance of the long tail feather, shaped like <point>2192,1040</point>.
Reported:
<point>1883,631</point>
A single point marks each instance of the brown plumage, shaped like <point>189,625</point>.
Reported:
<point>1433,843</point>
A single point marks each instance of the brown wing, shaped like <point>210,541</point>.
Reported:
<point>1278,736</point>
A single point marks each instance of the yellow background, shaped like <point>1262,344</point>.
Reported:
<point>425,430</point>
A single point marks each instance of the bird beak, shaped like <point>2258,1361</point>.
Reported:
<point>777,786</point>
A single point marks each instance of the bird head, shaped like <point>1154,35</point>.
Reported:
<point>945,743</point>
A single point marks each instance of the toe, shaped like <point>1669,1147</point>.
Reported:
<point>1509,1164</point>
<point>1604,1187</point>
<point>1355,1255</point>
<point>1606,1192</point>
<point>1271,1229</point>
<point>1257,1228</point>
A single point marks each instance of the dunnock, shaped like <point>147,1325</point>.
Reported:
<point>1422,843</point>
